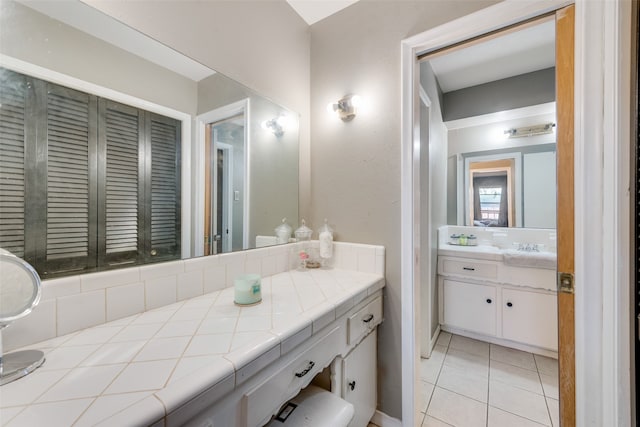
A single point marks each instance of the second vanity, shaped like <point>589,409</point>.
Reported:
<point>206,362</point>
<point>498,295</point>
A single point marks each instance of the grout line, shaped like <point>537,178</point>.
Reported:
<point>488,388</point>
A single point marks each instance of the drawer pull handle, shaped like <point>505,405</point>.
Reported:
<point>306,370</point>
<point>469,268</point>
<point>509,304</point>
<point>368,319</point>
<point>489,301</point>
<point>352,385</point>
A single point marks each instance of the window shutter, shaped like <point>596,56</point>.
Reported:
<point>12,161</point>
<point>71,176</point>
<point>164,187</point>
<point>121,192</point>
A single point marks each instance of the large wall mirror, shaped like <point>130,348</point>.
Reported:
<point>117,150</point>
<point>499,121</point>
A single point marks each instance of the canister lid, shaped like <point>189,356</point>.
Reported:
<point>303,232</point>
<point>283,228</point>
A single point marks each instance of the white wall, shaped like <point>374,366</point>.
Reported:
<point>355,166</point>
<point>261,44</point>
<point>539,190</point>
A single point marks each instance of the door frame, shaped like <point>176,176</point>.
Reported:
<point>198,177</point>
<point>227,193</point>
<point>602,147</point>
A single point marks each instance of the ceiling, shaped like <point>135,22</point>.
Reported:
<point>512,54</point>
<point>313,11</point>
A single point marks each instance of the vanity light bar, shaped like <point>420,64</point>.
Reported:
<point>530,130</point>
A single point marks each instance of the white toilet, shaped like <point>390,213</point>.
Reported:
<point>314,407</point>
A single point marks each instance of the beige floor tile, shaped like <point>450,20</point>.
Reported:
<point>457,410</point>
<point>518,358</point>
<point>464,383</point>
<point>500,418</point>
<point>434,422</point>
<point>467,362</point>
<point>469,345</point>
<point>426,390</point>
<point>430,368</point>
<point>516,377</point>
<point>554,411</point>
<point>519,402</point>
<point>546,365</point>
<point>444,339</point>
<point>550,386</point>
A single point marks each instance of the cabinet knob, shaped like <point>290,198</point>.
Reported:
<point>154,252</point>
<point>352,385</point>
<point>489,301</point>
<point>509,304</point>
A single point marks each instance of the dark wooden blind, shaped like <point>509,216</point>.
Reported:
<point>85,183</point>
<point>120,137</point>
<point>164,188</point>
<point>12,156</point>
<point>71,160</point>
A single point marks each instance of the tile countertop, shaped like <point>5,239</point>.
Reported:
<point>138,369</point>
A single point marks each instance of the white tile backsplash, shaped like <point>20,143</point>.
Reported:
<point>72,303</point>
<point>81,311</point>
<point>62,287</point>
<point>190,284</point>
<point>107,279</point>
<point>160,291</point>
<point>38,326</point>
<point>123,301</point>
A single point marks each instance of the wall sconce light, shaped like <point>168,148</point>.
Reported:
<point>276,125</point>
<point>530,130</point>
<point>346,108</point>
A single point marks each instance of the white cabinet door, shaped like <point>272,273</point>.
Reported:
<point>359,380</point>
<point>471,307</point>
<point>530,318</point>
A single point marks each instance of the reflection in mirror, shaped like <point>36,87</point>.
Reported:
<point>497,176</point>
<point>146,194</point>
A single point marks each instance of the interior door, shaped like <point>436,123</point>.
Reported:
<point>565,211</point>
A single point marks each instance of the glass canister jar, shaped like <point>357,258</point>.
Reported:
<point>283,232</point>
<point>325,239</point>
<point>303,237</point>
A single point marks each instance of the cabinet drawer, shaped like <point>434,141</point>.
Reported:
<point>471,307</point>
<point>469,268</point>
<point>530,317</point>
<point>364,320</point>
<point>260,403</point>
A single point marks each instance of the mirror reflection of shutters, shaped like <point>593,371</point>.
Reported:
<point>70,179</point>
<point>163,187</point>
<point>12,155</point>
<point>120,183</point>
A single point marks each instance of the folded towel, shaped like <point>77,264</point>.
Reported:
<point>546,260</point>
<point>262,241</point>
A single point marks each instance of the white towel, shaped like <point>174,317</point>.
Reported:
<point>262,241</point>
<point>546,260</point>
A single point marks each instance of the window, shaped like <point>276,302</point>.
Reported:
<point>86,183</point>
<point>490,202</point>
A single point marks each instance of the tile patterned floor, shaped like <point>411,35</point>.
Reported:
<point>468,383</point>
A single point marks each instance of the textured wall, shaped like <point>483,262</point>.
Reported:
<point>355,166</point>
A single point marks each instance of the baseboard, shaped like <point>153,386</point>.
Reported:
<point>383,420</point>
<point>425,353</point>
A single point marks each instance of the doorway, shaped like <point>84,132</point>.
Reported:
<point>498,362</point>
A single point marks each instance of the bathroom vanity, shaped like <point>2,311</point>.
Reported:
<point>207,362</point>
<point>497,294</point>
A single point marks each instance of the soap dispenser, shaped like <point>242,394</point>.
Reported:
<point>283,232</point>
<point>325,238</point>
<point>303,237</point>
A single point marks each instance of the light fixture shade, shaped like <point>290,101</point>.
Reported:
<point>542,129</point>
<point>346,108</point>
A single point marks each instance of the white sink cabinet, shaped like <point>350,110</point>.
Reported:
<point>507,305</point>
<point>346,345</point>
